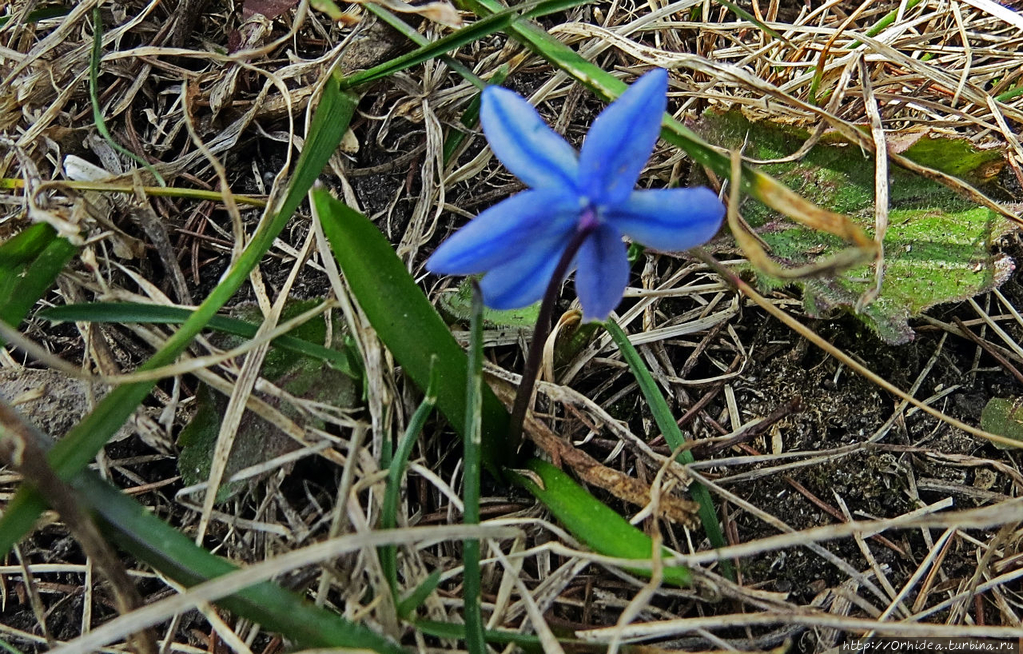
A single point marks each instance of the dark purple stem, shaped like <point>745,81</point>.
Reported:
<point>541,331</point>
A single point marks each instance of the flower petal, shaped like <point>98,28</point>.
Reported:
<point>603,273</point>
<point>669,219</point>
<point>524,279</point>
<point>504,230</point>
<point>527,147</point>
<point>621,140</point>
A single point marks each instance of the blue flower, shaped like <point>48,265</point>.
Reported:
<point>519,241</point>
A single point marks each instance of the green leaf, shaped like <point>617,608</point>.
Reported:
<point>1004,417</point>
<point>406,322</point>
<point>128,312</point>
<point>500,19</point>
<point>457,307</point>
<point>415,599</point>
<point>937,246</point>
<point>81,445</point>
<point>256,440</point>
<point>29,265</point>
<point>395,472</point>
<point>672,434</point>
<point>173,554</point>
<point>591,521</point>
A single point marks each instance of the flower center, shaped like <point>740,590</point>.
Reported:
<point>589,217</point>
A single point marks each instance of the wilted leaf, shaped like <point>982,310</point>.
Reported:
<point>257,441</point>
<point>937,247</point>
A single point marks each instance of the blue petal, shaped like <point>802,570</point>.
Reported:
<point>669,219</point>
<point>504,230</point>
<point>527,147</point>
<point>621,140</point>
<point>524,279</point>
<point>603,273</point>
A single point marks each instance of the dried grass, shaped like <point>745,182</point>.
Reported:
<point>942,560</point>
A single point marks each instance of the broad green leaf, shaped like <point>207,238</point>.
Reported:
<point>406,322</point>
<point>457,307</point>
<point>257,440</point>
<point>81,445</point>
<point>1003,416</point>
<point>937,246</point>
<point>591,521</point>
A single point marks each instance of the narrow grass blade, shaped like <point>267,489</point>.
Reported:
<point>395,471</point>
<point>415,599</point>
<point>80,446</point>
<point>29,264</point>
<point>129,312</point>
<point>406,322</point>
<point>666,422</point>
<point>591,521</point>
<point>490,23</point>
<point>97,107</point>
<point>412,34</point>
<point>470,117</point>
<point>152,191</point>
<point>172,553</point>
<point>529,643</point>
<point>139,531</point>
<point>472,576</point>
<point>37,15</point>
<point>745,15</point>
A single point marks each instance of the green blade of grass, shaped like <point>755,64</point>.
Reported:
<point>395,471</point>
<point>136,529</point>
<point>37,15</point>
<point>81,445</point>
<point>472,576</point>
<point>529,643</point>
<point>591,521</point>
<point>672,434</point>
<point>97,107</point>
<point>29,265</point>
<point>405,320</point>
<point>172,553</point>
<point>415,599</point>
<point>135,312</point>
<point>491,22</point>
<point>470,117</point>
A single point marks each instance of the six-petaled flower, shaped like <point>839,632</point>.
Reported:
<point>519,241</point>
